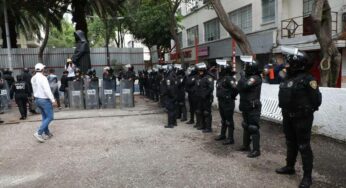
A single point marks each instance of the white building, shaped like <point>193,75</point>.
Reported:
<point>267,23</point>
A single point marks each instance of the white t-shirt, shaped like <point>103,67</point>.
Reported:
<point>70,70</point>
<point>41,87</point>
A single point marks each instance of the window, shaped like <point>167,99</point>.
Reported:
<point>242,18</point>
<point>192,34</point>
<point>268,10</point>
<point>307,7</point>
<point>211,30</point>
<point>180,39</point>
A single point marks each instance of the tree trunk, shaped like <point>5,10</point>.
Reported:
<point>173,30</point>
<point>331,61</point>
<point>13,34</point>
<point>45,41</point>
<point>79,15</point>
<point>236,33</point>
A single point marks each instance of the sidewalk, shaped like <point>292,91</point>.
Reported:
<point>130,148</point>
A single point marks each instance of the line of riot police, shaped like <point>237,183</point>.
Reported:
<point>299,98</point>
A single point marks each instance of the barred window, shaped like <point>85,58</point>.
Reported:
<point>192,34</point>
<point>307,7</point>
<point>242,18</point>
<point>211,30</point>
<point>268,10</point>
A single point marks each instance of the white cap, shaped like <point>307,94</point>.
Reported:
<point>106,68</point>
<point>39,67</point>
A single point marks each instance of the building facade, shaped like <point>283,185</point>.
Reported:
<point>268,25</point>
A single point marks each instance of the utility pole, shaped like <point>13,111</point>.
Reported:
<point>8,39</point>
<point>107,43</point>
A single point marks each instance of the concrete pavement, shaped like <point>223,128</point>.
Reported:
<point>130,148</point>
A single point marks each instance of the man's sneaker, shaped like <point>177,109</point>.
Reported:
<point>39,137</point>
<point>47,136</point>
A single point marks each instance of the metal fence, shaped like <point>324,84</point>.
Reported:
<point>56,58</point>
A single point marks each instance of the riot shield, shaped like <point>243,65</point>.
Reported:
<point>91,93</point>
<point>108,94</point>
<point>126,93</point>
<point>4,95</point>
<point>75,93</point>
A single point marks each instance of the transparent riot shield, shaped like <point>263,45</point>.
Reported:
<point>75,93</point>
<point>91,93</point>
<point>108,94</point>
<point>4,95</point>
<point>126,94</point>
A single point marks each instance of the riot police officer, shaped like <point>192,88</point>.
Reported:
<point>21,92</point>
<point>249,87</point>
<point>170,97</point>
<point>299,98</point>
<point>226,92</point>
<point>180,81</point>
<point>7,75</point>
<point>204,98</point>
<point>190,86</point>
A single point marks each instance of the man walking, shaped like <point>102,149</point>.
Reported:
<point>44,100</point>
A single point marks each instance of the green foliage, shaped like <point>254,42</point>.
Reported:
<point>97,31</point>
<point>149,22</point>
<point>63,38</point>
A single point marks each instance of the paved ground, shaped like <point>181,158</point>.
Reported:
<point>130,148</point>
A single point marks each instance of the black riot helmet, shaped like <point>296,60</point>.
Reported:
<point>19,78</point>
<point>295,60</point>
<point>201,67</point>
<point>250,66</point>
<point>225,68</point>
<point>91,72</point>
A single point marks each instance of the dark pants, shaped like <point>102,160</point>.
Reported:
<point>192,104</point>
<point>251,128</point>
<point>171,112</point>
<point>21,102</point>
<point>298,134</point>
<point>141,89</point>
<point>203,113</point>
<point>181,109</point>
<point>57,97</point>
<point>226,109</point>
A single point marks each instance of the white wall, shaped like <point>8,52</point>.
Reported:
<point>329,119</point>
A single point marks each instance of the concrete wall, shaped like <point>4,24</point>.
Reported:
<point>329,119</point>
<point>204,14</point>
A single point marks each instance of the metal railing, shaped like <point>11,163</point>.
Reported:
<point>295,27</point>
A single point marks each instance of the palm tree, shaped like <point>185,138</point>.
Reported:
<point>102,8</point>
<point>28,17</point>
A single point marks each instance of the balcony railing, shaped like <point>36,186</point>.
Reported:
<point>303,26</point>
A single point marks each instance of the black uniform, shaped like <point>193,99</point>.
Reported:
<point>169,91</point>
<point>141,82</point>
<point>21,92</point>
<point>7,75</point>
<point>249,87</point>
<point>190,87</point>
<point>204,99</point>
<point>299,98</point>
<point>181,107</point>
<point>226,92</point>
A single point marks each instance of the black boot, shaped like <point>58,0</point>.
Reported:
<point>286,170</point>
<point>230,139</point>
<point>207,123</point>
<point>246,141</point>
<point>198,120</point>
<point>169,126</point>
<point>222,135</point>
<point>292,152</point>
<point>256,146</point>
<point>307,159</point>
<point>306,182</point>
<point>254,153</point>
<point>192,118</point>
<point>190,122</point>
